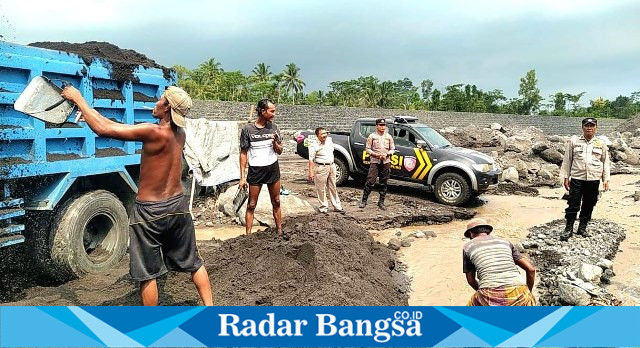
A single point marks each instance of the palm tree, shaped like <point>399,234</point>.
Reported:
<point>209,73</point>
<point>182,72</point>
<point>385,91</point>
<point>371,94</point>
<point>292,81</point>
<point>261,73</point>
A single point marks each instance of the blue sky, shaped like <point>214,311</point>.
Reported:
<point>574,46</point>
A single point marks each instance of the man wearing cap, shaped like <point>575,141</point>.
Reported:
<point>379,147</point>
<point>162,235</point>
<point>489,264</point>
<point>585,163</point>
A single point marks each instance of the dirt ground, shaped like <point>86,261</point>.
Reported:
<point>333,269</point>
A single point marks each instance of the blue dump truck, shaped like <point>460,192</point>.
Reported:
<point>63,189</point>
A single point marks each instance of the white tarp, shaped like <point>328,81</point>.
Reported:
<point>212,150</point>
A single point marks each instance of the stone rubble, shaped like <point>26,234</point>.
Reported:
<point>575,272</point>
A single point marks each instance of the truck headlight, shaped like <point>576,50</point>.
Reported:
<point>482,167</point>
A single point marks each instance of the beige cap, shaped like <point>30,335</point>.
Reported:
<point>476,222</point>
<point>180,104</point>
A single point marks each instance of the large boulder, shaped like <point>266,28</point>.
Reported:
<point>497,126</point>
<point>510,174</point>
<point>520,166</point>
<point>618,144</point>
<point>552,156</point>
<point>533,167</point>
<point>517,144</point>
<point>632,156</point>
<point>545,174</point>
<point>619,156</point>
<point>556,139</point>
<point>553,169</point>
<point>589,273</point>
<point>538,147</point>
<point>573,295</point>
<point>635,143</point>
<point>289,204</point>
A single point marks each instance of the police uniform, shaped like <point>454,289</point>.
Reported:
<point>585,162</point>
<point>378,168</point>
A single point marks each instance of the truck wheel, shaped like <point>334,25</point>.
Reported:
<point>342,173</point>
<point>452,189</point>
<point>89,234</point>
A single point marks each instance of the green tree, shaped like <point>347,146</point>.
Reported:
<point>292,81</point>
<point>559,103</point>
<point>261,73</point>
<point>386,94</point>
<point>425,87</point>
<point>530,93</point>
<point>435,99</point>
<point>454,99</point>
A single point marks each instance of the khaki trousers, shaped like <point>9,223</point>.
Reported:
<point>325,179</point>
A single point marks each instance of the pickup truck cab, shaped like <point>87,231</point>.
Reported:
<point>454,174</point>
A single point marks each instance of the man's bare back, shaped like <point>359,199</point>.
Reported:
<point>161,164</point>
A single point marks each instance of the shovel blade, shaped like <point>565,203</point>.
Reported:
<point>39,95</point>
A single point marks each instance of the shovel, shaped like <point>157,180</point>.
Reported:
<point>41,99</point>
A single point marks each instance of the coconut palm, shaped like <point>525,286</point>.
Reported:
<point>292,81</point>
<point>385,93</point>
<point>261,73</point>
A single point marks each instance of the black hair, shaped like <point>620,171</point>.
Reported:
<point>318,130</point>
<point>263,105</point>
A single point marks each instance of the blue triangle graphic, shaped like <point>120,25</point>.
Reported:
<point>150,333</point>
<point>17,330</point>
<point>110,336</point>
<point>177,338</point>
<point>609,327</point>
<point>487,332</point>
<point>139,316</point>
<point>66,316</point>
<point>575,315</point>
<point>462,338</point>
<point>529,336</point>
<point>495,316</point>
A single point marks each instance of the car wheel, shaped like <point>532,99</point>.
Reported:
<point>452,189</point>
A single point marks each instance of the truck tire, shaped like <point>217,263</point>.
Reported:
<point>452,189</point>
<point>342,172</point>
<point>89,234</point>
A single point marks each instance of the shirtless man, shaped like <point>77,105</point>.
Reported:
<point>162,235</point>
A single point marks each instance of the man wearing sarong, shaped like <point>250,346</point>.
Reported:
<point>490,263</point>
<point>162,235</point>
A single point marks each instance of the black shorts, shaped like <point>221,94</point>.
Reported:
<point>264,175</point>
<point>162,236</point>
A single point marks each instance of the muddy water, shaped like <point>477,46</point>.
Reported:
<point>435,264</point>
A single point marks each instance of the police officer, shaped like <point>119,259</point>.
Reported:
<point>585,163</point>
<point>379,147</point>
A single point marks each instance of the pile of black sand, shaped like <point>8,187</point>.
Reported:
<point>123,61</point>
<point>329,262</point>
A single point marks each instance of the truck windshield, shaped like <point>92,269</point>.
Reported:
<point>432,137</point>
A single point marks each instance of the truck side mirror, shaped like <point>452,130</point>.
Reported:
<point>421,144</point>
